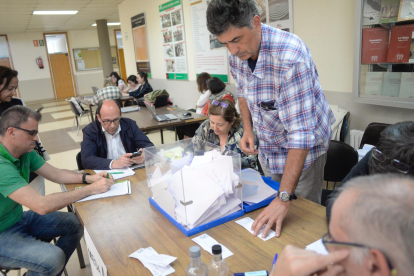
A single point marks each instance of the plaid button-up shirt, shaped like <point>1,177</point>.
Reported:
<point>107,93</point>
<point>286,80</point>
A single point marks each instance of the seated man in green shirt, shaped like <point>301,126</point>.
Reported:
<point>25,236</point>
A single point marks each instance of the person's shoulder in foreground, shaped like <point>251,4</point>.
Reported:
<point>368,211</point>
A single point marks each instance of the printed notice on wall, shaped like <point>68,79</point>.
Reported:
<point>173,39</point>
<point>97,265</point>
<point>139,33</point>
<point>210,55</point>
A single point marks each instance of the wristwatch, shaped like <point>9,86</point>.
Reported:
<point>285,196</point>
<point>84,178</point>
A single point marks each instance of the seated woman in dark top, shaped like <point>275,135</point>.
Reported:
<point>224,128</point>
<point>132,85</point>
<point>394,153</point>
<point>8,86</point>
<point>144,88</point>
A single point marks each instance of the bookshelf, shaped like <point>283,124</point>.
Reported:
<point>379,83</point>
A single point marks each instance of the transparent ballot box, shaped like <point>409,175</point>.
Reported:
<point>194,183</point>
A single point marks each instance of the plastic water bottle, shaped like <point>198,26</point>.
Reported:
<point>196,266</point>
<point>218,266</point>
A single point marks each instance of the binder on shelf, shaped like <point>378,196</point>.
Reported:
<point>407,85</point>
<point>391,84</point>
<point>400,43</point>
<point>406,11</point>
<point>389,11</point>
<point>374,45</point>
<point>373,83</point>
<point>372,12</point>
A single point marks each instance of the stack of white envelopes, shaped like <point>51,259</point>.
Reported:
<point>255,189</point>
<point>198,189</point>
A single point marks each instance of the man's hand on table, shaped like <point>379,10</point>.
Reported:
<point>247,143</point>
<point>98,176</point>
<point>294,261</point>
<point>274,213</point>
<point>101,186</point>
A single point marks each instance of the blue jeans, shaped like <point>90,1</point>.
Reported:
<point>27,243</point>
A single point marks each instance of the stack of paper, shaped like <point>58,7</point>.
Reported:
<point>158,264</point>
<point>207,242</point>
<point>118,189</point>
<point>205,182</point>
<point>247,224</point>
<point>255,189</point>
<point>118,173</point>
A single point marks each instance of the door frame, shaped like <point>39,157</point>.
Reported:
<point>11,59</point>
<point>117,53</point>
<point>70,64</point>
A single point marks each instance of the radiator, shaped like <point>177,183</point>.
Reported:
<point>356,136</point>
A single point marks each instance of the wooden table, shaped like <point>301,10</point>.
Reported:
<point>121,225</point>
<point>146,122</point>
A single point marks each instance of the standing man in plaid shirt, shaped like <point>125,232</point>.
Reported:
<point>280,96</point>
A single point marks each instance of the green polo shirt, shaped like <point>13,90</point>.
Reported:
<point>14,175</point>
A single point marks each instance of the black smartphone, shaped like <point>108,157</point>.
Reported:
<point>135,154</point>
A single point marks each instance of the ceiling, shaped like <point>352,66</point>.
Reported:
<point>16,16</point>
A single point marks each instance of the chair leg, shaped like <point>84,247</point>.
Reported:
<point>80,255</point>
<point>73,125</point>
<point>80,120</point>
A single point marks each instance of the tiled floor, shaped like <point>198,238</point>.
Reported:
<point>55,132</point>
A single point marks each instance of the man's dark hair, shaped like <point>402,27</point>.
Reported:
<point>215,85</point>
<point>143,75</point>
<point>98,109</point>
<point>6,74</point>
<point>396,142</point>
<point>15,116</point>
<point>221,14</point>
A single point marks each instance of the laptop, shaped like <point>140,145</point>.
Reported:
<point>161,117</point>
<point>130,109</point>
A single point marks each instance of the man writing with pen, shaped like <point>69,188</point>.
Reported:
<point>25,236</point>
<point>111,141</point>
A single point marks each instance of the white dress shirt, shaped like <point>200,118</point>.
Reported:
<point>115,147</point>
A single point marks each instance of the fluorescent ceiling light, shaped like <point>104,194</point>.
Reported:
<point>55,12</point>
<point>109,24</point>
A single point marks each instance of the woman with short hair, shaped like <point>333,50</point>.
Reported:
<point>224,128</point>
<point>145,87</point>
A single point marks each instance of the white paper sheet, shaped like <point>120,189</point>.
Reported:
<point>207,242</point>
<point>247,224</point>
<point>158,264</point>
<point>118,189</point>
<point>118,173</point>
<point>253,178</point>
<point>318,247</point>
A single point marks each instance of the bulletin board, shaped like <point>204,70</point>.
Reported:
<point>90,58</point>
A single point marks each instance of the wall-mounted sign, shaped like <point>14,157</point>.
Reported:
<point>139,33</point>
<point>36,43</point>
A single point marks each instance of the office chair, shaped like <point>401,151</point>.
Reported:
<point>79,161</point>
<point>5,270</point>
<point>372,134</point>
<point>77,114</point>
<point>341,158</point>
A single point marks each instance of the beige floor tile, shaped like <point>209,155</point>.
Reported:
<point>62,114</point>
<point>63,102</point>
<point>76,138</point>
<point>65,160</point>
<point>155,137</point>
<point>59,108</point>
<point>61,124</point>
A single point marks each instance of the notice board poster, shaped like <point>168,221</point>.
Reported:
<point>173,39</point>
<point>210,55</point>
<point>139,33</point>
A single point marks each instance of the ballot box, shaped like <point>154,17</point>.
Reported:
<point>194,184</point>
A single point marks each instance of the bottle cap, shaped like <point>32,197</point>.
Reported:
<point>216,249</point>
<point>195,251</point>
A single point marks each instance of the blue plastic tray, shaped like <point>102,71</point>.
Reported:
<point>274,185</point>
<point>200,228</point>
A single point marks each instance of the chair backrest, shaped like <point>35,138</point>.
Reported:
<point>372,134</point>
<point>79,161</point>
<point>341,158</point>
<point>73,108</point>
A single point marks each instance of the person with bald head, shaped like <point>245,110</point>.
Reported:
<point>370,233</point>
<point>110,141</point>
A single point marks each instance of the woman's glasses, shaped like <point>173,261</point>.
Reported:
<point>397,164</point>
<point>216,103</point>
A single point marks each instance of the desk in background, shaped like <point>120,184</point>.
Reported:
<point>121,225</point>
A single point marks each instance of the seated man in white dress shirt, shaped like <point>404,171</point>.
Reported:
<point>109,142</point>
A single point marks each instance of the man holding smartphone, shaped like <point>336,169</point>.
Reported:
<point>112,142</point>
